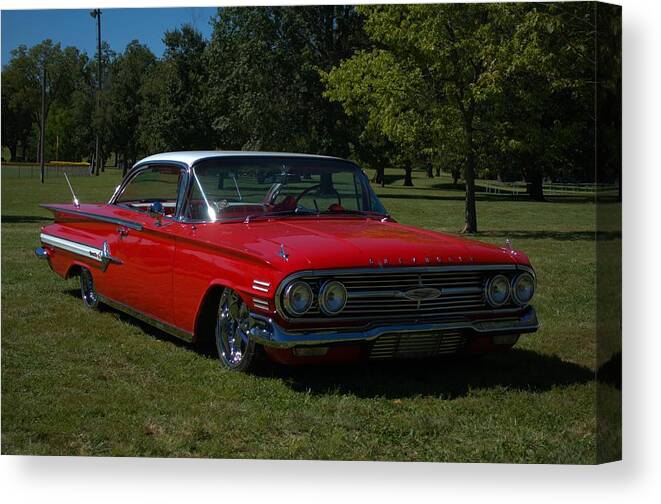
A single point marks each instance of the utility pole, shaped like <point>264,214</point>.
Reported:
<point>42,126</point>
<point>96,13</point>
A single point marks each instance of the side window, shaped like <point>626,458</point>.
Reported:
<point>156,183</point>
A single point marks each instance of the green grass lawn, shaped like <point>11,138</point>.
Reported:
<point>77,382</point>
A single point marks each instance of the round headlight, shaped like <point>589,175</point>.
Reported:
<point>523,288</point>
<point>498,290</point>
<point>298,298</point>
<point>332,297</point>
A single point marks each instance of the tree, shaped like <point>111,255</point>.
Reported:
<point>17,116</point>
<point>174,114</point>
<point>544,121</point>
<point>265,87</point>
<point>434,69</point>
<point>65,74</point>
<point>69,129</point>
<point>124,102</point>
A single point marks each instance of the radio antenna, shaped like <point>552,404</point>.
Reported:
<point>75,200</point>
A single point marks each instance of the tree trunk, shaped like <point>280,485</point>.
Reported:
<point>378,176</point>
<point>470,212</point>
<point>455,176</point>
<point>535,186</point>
<point>408,180</point>
<point>438,171</point>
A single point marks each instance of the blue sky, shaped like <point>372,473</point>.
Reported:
<point>118,27</point>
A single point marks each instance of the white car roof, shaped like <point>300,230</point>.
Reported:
<point>190,157</point>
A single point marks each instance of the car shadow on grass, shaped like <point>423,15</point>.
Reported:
<point>24,219</point>
<point>205,350</point>
<point>447,378</point>
<point>611,371</point>
<point>552,235</point>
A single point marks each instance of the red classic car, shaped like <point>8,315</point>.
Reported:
<point>286,255</point>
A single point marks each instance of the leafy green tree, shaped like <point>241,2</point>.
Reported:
<point>17,114</point>
<point>265,87</point>
<point>102,111</point>
<point>500,90</point>
<point>544,123</point>
<point>609,95</point>
<point>434,71</point>
<point>174,115</point>
<point>69,131</point>
<point>65,74</point>
<point>124,102</point>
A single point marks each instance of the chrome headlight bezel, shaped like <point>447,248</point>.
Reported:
<point>289,293</point>
<point>515,282</point>
<point>487,290</point>
<point>326,288</point>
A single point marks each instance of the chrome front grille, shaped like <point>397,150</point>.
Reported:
<point>412,345</point>
<point>384,294</point>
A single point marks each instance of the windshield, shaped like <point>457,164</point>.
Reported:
<point>253,187</point>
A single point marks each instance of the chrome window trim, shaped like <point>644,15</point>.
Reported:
<point>139,168</point>
<point>400,269</point>
<point>182,218</point>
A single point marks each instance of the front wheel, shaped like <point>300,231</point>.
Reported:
<point>87,290</point>
<point>236,350</point>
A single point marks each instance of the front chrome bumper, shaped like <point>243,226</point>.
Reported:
<point>265,331</point>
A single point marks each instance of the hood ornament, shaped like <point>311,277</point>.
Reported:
<point>283,254</point>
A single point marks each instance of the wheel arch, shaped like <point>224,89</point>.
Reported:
<point>75,268</point>
<point>205,316</point>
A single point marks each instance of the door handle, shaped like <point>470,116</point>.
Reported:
<point>123,231</point>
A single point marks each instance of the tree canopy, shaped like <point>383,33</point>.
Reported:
<point>502,91</point>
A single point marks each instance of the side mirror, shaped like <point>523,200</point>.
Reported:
<point>157,211</point>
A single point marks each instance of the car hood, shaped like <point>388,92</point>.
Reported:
<point>351,243</point>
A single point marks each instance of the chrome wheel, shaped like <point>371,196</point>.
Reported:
<point>235,349</point>
<point>87,291</point>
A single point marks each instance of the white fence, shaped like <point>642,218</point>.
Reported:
<point>516,188</point>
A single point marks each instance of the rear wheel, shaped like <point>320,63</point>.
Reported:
<point>87,290</point>
<point>236,350</point>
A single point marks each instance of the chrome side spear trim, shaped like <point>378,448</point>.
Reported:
<point>101,255</point>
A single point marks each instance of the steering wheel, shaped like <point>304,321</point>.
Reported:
<point>317,186</point>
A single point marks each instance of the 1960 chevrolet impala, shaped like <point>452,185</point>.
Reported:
<point>286,255</point>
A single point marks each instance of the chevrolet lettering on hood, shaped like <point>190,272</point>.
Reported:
<point>288,256</point>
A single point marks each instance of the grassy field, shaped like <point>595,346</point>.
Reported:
<point>76,382</point>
